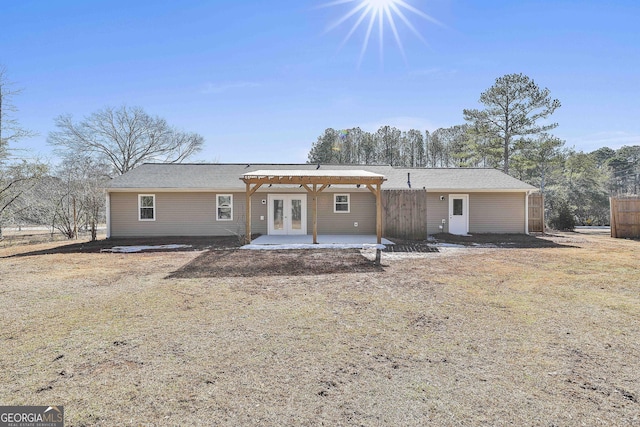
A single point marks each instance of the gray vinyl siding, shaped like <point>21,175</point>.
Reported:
<point>437,210</point>
<point>194,214</point>
<point>258,226</point>
<point>496,212</point>
<point>177,214</point>
<point>362,210</point>
<point>488,212</point>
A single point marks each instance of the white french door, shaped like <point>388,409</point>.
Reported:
<point>287,213</point>
<point>459,213</point>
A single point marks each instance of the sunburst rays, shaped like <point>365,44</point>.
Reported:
<point>377,13</point>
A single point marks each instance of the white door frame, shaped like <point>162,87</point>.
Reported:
<point>459,222</point>
<point>287,226</point>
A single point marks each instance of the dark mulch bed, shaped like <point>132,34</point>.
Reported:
<point>410,246</point>
<point>250,263</point>
<point>504,240</point>
<point>196,243</point>
<point>480,240</point>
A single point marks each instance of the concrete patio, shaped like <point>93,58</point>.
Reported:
<point>325,241</point>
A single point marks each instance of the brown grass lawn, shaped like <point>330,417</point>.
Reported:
<point>543,336</point>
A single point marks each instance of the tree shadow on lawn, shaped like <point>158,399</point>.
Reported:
<point>104,245</point>
<point>299,262</point>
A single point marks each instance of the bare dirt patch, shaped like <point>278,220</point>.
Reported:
<point>466,336</point>
<point>245,263</point>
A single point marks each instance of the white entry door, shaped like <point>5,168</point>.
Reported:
<point>287,213</point>
<point>459,213</point>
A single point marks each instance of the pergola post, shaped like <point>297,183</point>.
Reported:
<point>248,193</point>
<point>379,213</point>
<point>314,208</point>
<point>247,237</point>
<point>378,222</point>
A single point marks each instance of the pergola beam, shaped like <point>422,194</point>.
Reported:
<point>321,180</point>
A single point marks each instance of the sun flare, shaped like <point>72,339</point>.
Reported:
<point>379,4</point>
<point>375,13</point>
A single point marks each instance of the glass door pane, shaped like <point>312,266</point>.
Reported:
<point>296,214</point>
<point>457,207</point>
<point>278,214</point>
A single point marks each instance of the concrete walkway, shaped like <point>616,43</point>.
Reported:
<point>325,241</point>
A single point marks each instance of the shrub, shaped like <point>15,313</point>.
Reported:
<point>565,218</point>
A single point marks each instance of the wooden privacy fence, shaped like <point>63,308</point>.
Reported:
<point>536,213</point>
<point>625,217</point>
<point>405,214</point>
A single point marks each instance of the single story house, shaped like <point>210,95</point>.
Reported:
<point>211,200</point>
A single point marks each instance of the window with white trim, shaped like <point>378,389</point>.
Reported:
<point>146,207</point>
<point>224,207</point>
<point>341,203</point>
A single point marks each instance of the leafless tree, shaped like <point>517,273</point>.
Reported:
<point>17,176</point>
<point>73,199</point>
<point>10,129</point>
<point>16,180</point>
<point>125,138</point>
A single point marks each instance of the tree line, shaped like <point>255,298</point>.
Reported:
<point>442,148</point>
<point>511,133</point>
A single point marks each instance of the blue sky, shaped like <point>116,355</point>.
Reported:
<point>261,80</point>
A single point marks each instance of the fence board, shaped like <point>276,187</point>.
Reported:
<point>536,213</point>
<point>405,214</point>
<point>625,217</point>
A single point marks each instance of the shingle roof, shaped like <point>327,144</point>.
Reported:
<point>209,176</point>
<point>452,179</point>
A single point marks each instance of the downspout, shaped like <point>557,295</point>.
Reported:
<point>108,209</point>
<point>526,212</point>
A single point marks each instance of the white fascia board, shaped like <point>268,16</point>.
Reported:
<point>488,190</point>
<point>175,190</point>
<point>342,189</point>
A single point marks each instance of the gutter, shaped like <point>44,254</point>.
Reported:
<point>526,212</point>
<point>108,214</point>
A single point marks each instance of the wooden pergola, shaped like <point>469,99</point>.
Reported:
<point>314,182</point>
